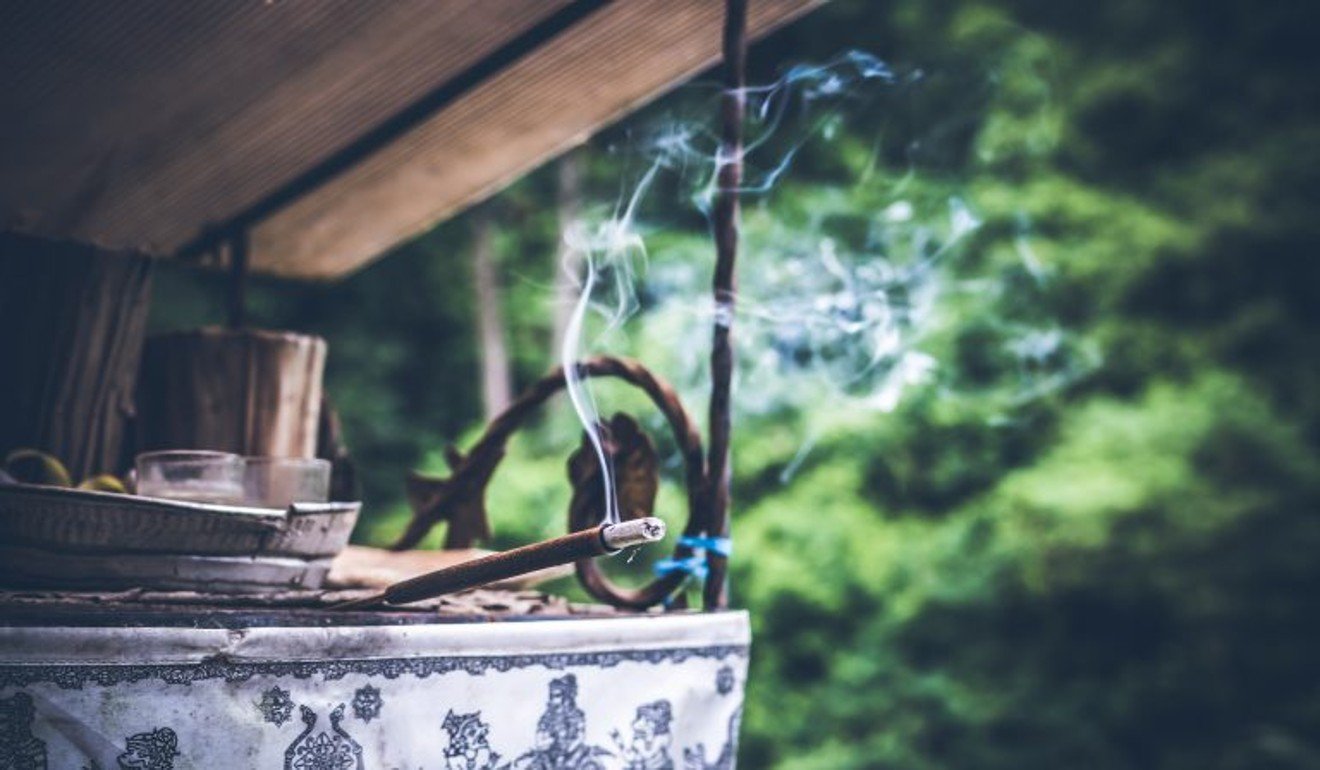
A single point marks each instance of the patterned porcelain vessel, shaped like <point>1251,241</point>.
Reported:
<point>643,692</point>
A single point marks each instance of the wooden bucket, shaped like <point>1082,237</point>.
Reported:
<point>249,391</point>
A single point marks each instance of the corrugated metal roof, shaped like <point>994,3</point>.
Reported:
<point>336,127</point>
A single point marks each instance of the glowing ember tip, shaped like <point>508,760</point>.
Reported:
<point>629,533</point>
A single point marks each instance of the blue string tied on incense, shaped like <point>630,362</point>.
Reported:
<point>694,566</point>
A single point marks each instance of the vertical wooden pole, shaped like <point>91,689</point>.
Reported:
<point>72,319</point>
<point>725,225</point>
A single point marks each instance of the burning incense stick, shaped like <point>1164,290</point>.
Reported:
<point>605,540</point>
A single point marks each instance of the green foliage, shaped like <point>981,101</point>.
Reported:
<point>1104,557</point>
<point>1089,609</point>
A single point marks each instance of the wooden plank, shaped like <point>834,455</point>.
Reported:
<point>74,318</point>
<point>618,59</point>
<point>139,126</point>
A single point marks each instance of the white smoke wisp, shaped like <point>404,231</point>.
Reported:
<point>825,316</point>
<point>807,102</point>
<point>610,253</point>
<point>845,283</point>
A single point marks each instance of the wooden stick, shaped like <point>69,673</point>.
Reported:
<point>605,540</point>
<point>729,179</point>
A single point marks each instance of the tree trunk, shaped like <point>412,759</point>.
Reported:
<point>73,319</point>
<point>248,391</point>
<point>569,201</point>
<point>496,384</point>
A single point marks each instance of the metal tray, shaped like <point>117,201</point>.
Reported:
<point>75,520</point>
<point>40,568</point>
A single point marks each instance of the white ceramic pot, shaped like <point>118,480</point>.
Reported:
<point>587,694</point>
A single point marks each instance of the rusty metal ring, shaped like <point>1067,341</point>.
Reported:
<point>589,572</point>
<point>473,470</point>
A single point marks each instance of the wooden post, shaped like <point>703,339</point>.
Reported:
<point>248,391</point>
<point>725,289</point>
<point>72,321</point>
<point>238,280</point>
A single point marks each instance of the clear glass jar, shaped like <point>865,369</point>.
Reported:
<point>192,475</point>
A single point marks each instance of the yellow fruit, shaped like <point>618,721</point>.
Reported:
<point>32,466</point>
<point>104,483</point>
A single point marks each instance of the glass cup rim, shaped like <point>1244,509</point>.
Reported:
<point>185,455</point>
<point>288,462</point>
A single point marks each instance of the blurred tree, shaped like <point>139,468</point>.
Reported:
<point>496,384</point>
<point>568,206</point>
